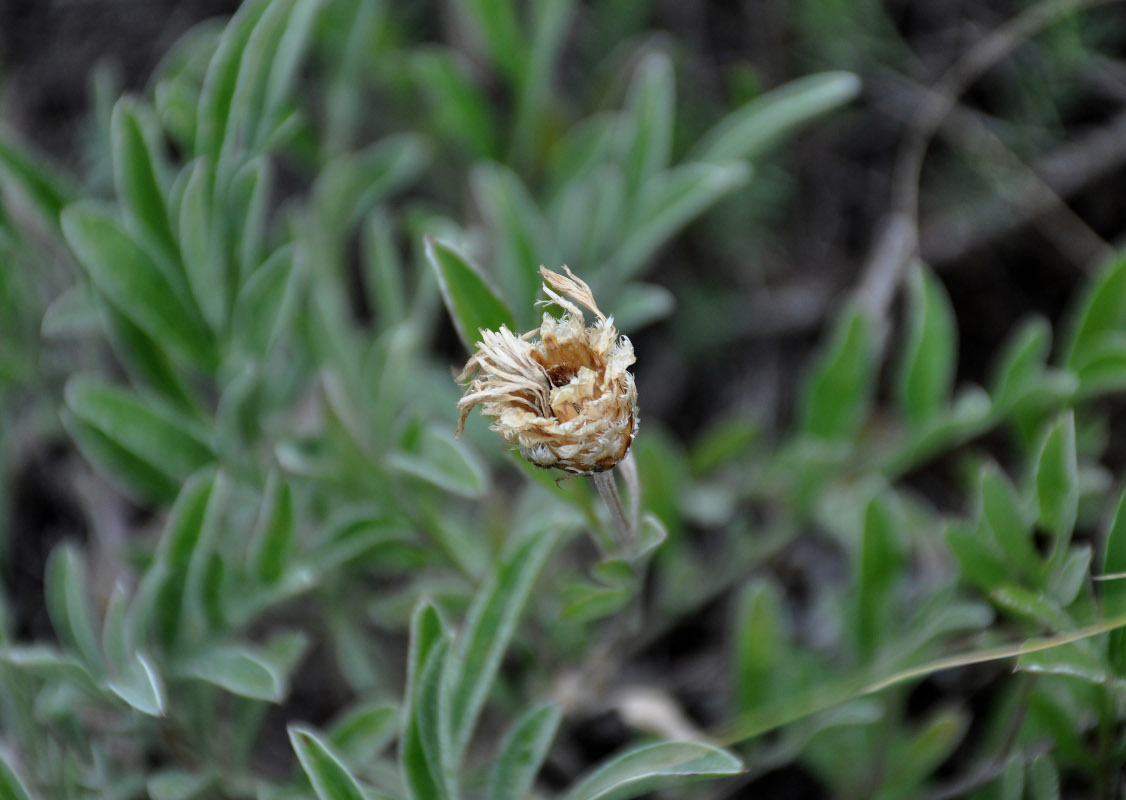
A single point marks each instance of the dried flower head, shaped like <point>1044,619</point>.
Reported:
<point>567,398</point>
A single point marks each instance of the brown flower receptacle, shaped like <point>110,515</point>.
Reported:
<point>567,399</point>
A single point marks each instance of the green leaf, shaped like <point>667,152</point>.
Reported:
<point>926,749</point>
<point>364,732</point>
<point>174,784</point>
<point>12,786</point>
<point>881,559</point>
<point>158,606</point>
<point>650,103</point>
<point>1068,578</point>
<point>458,107</point>
<point>505,41</point>
<point>1104,364</point>
<point>838,391</point>
<point>489,626</point>
<point>591,601</point>
<point>50,664</point>
<point>147,362</point>
<point>926,371</point>
<point>326,771</point>
<point>201,249</point>
<point>522,753</point>
<point>1114,591</point>
<point>268,301</point>
<point>240,670</point>
<point>266,70</point>
<point>73,313</point>
<point>668,202</point>
<point>422,717</point>
<point>219,84</point>
<point>641,304</point>
<point>1021,362</point>
<point>140,685</point>
<point>1072,661</point>
<point>1044,779</point>
<point>1033,606</point>
<point>522,235</point>
<point>442,460</point>
<point>29,175</point>
<point>165,443</point>
<point>1057,480</point>
<point>1102,310</point>
<point>751,130</point>
<point>350,185</point>
<point>980,562</point>
<point>652,767</point>
<point>383,270</point>
<point>117,643</point>
<point>273,535</point>
<point>760,644</point>
<point>69,603</point>
<point>472,304</point>
<point>135,284</point>
<point>137,179</point>
<point>248,202</point>
<point>1003,513</point>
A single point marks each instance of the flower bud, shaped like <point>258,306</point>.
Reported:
<point>562,393</point>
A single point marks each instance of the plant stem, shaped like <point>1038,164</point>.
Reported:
<point>607,489</point>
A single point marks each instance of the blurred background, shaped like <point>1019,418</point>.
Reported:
<point>868,256</point>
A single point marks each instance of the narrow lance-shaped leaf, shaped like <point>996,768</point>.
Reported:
<point>166,442</point>
<point>69,604</point>
<point>927,369</point>
<point>881,558</point>
<point>1102,311</point>
<point>489,628</point>
<point>651,101</point>
<point>135,284</point>
<point>524,239</point>
<point>651,767</point>
<point>759,644</point>
<point>423,779</point>
<point>240,670</point>
<point>425,754</point>
<point>836,396</point>
<point>137,181</point>
<point>670,201</point>
<point>326,771</point>
<point>363,732</point>
<point>29,175</point>
<point>1002,511</point>
<point>1114,591</point>
<point>522,753</point>
<point>221,80</point>
<point>274,531</point>
<point>751,130</point>
<point>12,786</point>
<point>202,252</point>
<point>1057,480</point>
<point>472,304</point>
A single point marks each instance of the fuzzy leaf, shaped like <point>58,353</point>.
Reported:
<point>651,767</point>
<point>926,372</point>
<point>522,753</point>
<point>135,284</point>
<point>472,304</point>
<point>1057,480</point>
<point>751,130</point>
<point>326,771</point>
<point>489,627</point>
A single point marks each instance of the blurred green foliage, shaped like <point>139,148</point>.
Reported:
<point>246,334</point>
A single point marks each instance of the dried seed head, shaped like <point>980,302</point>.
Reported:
<point>567,398</point>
